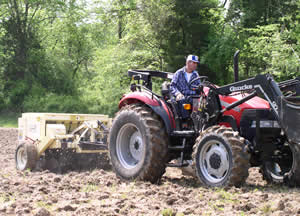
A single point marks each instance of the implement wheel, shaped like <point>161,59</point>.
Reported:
<point>26,156</point>
<point>138,144</point>
<point>220,158</point>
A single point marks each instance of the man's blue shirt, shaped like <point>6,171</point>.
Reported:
<point>180,84</point>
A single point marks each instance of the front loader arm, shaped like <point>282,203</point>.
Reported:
<point>285,109</point>
<point>264,85</point>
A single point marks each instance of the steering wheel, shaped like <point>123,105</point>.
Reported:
<point>201,78</point>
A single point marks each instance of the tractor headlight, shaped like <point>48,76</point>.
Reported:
<point>266,124</point>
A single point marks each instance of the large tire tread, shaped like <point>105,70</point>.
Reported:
<point>267,176</point>
<point>155,167</point>
<point>292,178</point>
<point>31,152</point>
<point>239,171</point>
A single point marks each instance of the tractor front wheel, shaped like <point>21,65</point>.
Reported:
<point>26,156</point>
<point>277,166</point>
<point>138,144</point>
<point>285,170</point>
<point>292,178</point>
<point>220,158</point>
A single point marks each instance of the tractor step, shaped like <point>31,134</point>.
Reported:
<point>188,133</point>
<point>176,147</point>
<point>92,145</point>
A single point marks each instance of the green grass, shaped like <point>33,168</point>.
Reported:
<point>9,120</point>
<point>42,204</point>
<point>90,188</point>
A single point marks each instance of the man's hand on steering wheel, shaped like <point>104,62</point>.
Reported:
<point>200,86</point>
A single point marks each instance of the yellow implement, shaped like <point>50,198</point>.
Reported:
<point>80,133</point>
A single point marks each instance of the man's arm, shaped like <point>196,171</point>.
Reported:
<point>173,86</point>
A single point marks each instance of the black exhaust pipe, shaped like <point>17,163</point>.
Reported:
<point>236,65</point>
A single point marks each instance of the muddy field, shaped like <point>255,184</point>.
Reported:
<point>99,192</point>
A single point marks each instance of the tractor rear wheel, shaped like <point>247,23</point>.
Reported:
<point>138,144</point>
<point>26,156</point>
<point>220,158</point>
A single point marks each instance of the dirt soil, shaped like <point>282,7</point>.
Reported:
<point>99,192</point>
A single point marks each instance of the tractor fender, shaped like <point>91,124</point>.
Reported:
<point>156,104</point>
<point>229,121</point>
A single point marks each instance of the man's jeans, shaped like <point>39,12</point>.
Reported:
<point>181,111</point>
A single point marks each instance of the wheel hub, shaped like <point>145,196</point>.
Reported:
<point>21,158</point>
<point>215,161</point>
<point>129,146</point>
<point>136,145</point>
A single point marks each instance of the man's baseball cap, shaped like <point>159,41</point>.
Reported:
<point>193,58</point>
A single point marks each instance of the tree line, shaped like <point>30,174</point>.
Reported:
<point>73,56</point>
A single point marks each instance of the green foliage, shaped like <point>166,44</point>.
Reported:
<point>23,55</point>
<point>268,50</point>
<point>109,82</point>
<point>219,56</point>
<point>9,120</point>
<point>267,34</point>
<point>43,62</point>
<point>188,30</point>
<point>73,56</point>
<point>55,103</point>
<point>146,33</point>
<point>249,14</point>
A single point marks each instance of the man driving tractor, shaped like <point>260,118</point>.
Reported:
<point>180,85</point>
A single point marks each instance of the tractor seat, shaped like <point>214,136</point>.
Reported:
<point>165,90</point>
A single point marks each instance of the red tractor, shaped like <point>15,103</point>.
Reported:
<point>229,130</point>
